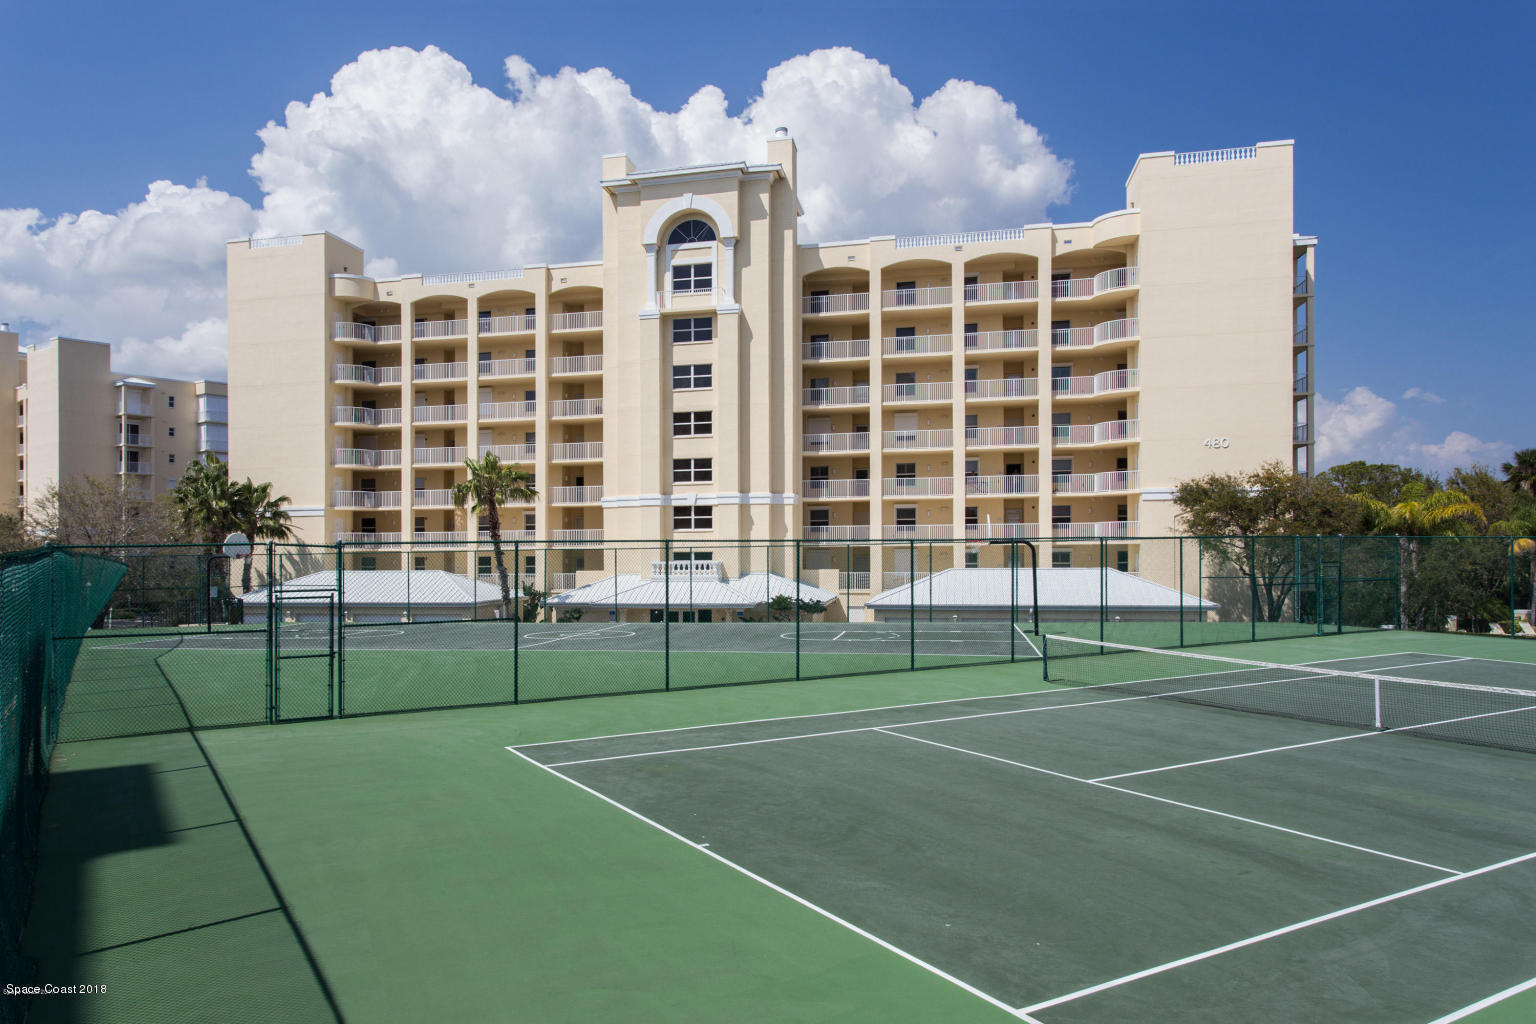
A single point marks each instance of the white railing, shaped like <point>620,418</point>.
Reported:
<point>365,499</point>
<point>987,437</point>
<point>688,569</point>
<point>576,407</point>
<point>852,580</point>
<point>1117,480</point>
<point>367,458</point>
<point>909,439</point>
<point>897,298</point>
<point>508,410</point>
<point>960,238</point>
<point>589,495</point>
<point>1003,387</point>
<point>1095,433</point>
<point>508,536</point>
<point>1013,483</point>
<point>1092,531</point>
<point>439,328</point>
<point>1002,291</point>
<point>1112,280</point>
<point>368,539</point>
<point>125,440</point>
<point>815,490</point>
<point>343,330</point>
<point>1301,433</point>
<point>357,415</point>
<point>509,452</point>
<point>919,344</point>
<point>1098,384</point>
<point>439,456</point>
<point>439,371</point>
<point>575,536</point>
<point>1116,330</point>
<point>937,391</point>
<point>919,531</point>
<point>275,241</point>
<point>897,579</point>
<point>522,323</point>
<point>437,497</point>
<point>508,367</point>
<point>585,451</point>
<point>1215,156</point>
<point>1093,483</point>
<point>1072,483</point>
<point>824,397</point>
<point>1071,337</point>
<point>475,276</point>
<point>854,348</point>
<point>439,537</point>
<point>859,532</point>
<point>576,364</point>
<point>917,486</point>
<point>591,320</point>
<point>855,442</point>
<point>131,469</point>
<point>983,531</point>
<point>562,580</point>
<point>847,302</point>
<point>987,341</point>
<point>354,373</point>
<point>439,413</point>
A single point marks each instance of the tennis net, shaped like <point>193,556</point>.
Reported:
<point>1462,712</point>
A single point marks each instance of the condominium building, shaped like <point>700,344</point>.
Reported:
<point>76,417</point>
<point>712,379</point>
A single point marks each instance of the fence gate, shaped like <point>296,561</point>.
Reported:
<point>303,637</point>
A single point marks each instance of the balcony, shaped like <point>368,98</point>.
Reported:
<point>823,489</point>
<point>917,531</point>
<point>575,536</point>
<point>342,330</point>
<point>826,305</point>
<point>916,345</point>
<point>1301,385</point>
<point>1095,483</point>
<point>910,440</point>
<point>827,398</point>
<point>439,413</point>
<point>439,497</point>
<point>852,580</point>
<point>590,495</point>
<point>508,367</point>
<point>1002,341</point>
<point>130,469</point>
<point>829,351</point>
<point>1109,332</point>
<point>1093,531</point>
<point>1001,531</point>
<point>354,373</point>
<point>1108,432</point>
<point>1114,280</point>
<point>439,537</point>
<point>1003,291</point>
<point>822,444</point>
<point>507,536</point>
<point>1001,437</point>
<point>908,298</point>
<point>1013,483</point>
<point>506,324</point>
<point>507,410</point>
<point>368,539</point>
<point>917,486</point>
<point>855,532</point>
<point>576,408</point>
<point>1301,433</point>
<point>1098,384</point>
<point>1002,387</point>
<point>1301,337</point>
<point>133,441</point>
<point>586,451</point>
<point>569,365</point>
<point>365,499</point>
<point>1303,285</point>
<point>912,394</point>
<point>426,329</point>
<point>366,458</point>
<point>439,371</point>
<point>362,416</point>
<point>438,456</point>
<point>514,453</point>
<point>592,320</point>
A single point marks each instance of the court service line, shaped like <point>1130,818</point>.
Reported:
<point>877,940</point>
<point>1314,743</point>
<point>1483,1004</point>
<point>1027,640</point>
<point>1476,657</point>
<point>1276,933</point>
<point>1166,800</point>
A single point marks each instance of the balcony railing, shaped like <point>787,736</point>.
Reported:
<point>439,456</point>
<point>898,298</point>
<point>1301,385</point>
<point>439,537</point>
<point>575,536</point>
<point>508,367</point>
<point>431,280</point>
<point>1300,337</point>
<point>1002,291</point>
<point>917,531</point>
<point>960,238</point>
<point>855,532</point>
<point>917,486</point>
<point>437,497</point>
<point>354,373</point>
<point>1004,341</point>
<point>851,580</point>
<point>1120,277</point>
<point>357,415</point>
<point>574,407</point>
<point>439,413</point>
<point>1303,284</point>
<point>1096,433</point>
<point>576,364</point>
<point>368,538</point>
<point>133,441</point>
<point>589,495</point>
<point>591,320</point>
<point>1093,483</point>
<point>910,439</point>
<point>848,302</point>
<point>1001,437</point>
<point>365,499</point>
<point>522,324</point>
<point>827,397</point>
<point>1013,483</point>
<point>1003,387</point>
<point>343,330</point>
<point>1301,433</point>
<point>508,410</point>
<point>585,451</point>
<point>937,391</point>
<point>439,328</point>
<point>1093,531</point>
<point>439,371</point>
<point>1072,288</point>
<point>1098,334</point>
<point>367,458</point>
<point>1098,384</point>
<point>820,489</point>
<point>987,531</point>
<point>134,469</point>
<point>853,348</point>
<point>831,443</point>
<point>915,345</point>
<point>516,453</point>
<point>507,536</point>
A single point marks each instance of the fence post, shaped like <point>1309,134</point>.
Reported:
<point>666,611</point>
<point>1510,543</point>
<point>517,654</point>
<point>1253,589</point>
<point>1397,583</point>
<point>911,603</point>
<point>272,611</point>
<point>1321,604</point>
<point>1103,586</point>
<point>341,631</point>
<point>1013,596</point>
<point>797,607</point>
<point>930,581</point>
<point>1198,600</point>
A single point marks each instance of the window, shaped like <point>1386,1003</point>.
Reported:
<point>172,458</point>
<point>420,562</point>
<point>819,347</point>
<point>693,328</point>
<point>906,515</point>
<point>368,563</point>
<point>529,522</point>
<point>1123,559</point>
<point>530,565</point>
<point>1060,422</point>
<point>1061,332</point>
<point>973,467</point>
<point>905,340</point>
<point>171,401</point>
<point>906,293</point>
<point>972,516</point>
<point>820,301</point>
<point>483,566</point>
<point>171,432</point>
<point>906,470</point>
<point>1061,559</point>
<point>692,277</point>
<point>692,376</point>
<point>972,559</point>
<point>906,385</point>
<point>972,292</point>
<point>693,471</point>
<point>819,517</point>
<point>971,375</point>
<point>693,517</point>
<point>1061,515</point>
<point>971,339</point>
<point>972,425</point>
<point>691,231</point>
<point>369,525</point>
<point>693,424</point>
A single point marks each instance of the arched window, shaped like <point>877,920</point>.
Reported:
<point>691,231</point>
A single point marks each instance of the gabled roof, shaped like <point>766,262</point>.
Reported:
<point>1060,589</point>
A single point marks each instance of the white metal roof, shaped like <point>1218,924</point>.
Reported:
<point>1060,589</point>
<point>390,587</point>
<point>631,590</point>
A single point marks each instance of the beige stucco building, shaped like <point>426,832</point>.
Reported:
<point>76,416</point>
<point>710,378</point>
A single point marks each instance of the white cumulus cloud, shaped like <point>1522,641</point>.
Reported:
<point>1364,425</point>
<point>1423,396</point>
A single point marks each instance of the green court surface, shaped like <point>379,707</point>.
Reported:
<point>889,859</point>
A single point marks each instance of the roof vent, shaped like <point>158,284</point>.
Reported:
<point>781,132</point>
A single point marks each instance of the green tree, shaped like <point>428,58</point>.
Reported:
<point>88,511</point>
<point>1521,526</point>
<point>782,608</point>
<point>1520,472</point>
<point>491,484</point>
<point>259,514</point>
<point>1489,493</point>
<point>1421,514</point>
<point>205,499</point>
<point>1382,481</point>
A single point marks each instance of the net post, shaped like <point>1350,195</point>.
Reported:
<point>666,612</point>
<point>517,653</point>
<point>911,603</point>
<point>1181,591</point>
<point>1376,701</point>
<point>797,608</point>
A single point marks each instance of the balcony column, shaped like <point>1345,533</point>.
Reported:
<point>1047,491</point>
<point>652,306</point>
<point>727,276</point>
<point>407,430</point>
<point>879,515</point>
<point>472,399</point>
<point>957,389</point>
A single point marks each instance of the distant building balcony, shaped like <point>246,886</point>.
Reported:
<point>507,411</point>
<point>439,456</point>
<point>909,440</point>
<point>916,394</point>
<point>823,444</point>
<point>858,531</point>
<point>829,351</point>
<point>1001,341</point>
<point>507,367</point>
<point>591,320</point>
<point>828,305</point>
<point>365,499</point>
<point>422,413</point>
<point>366,458</point>
<point>1001,437</point>
<point>355,373</point>
<point>576,408</point>
<point>1108,432</point>
<point>904,298</point>
<point>439,371</point>
<point>827,398</point>
<point>1003,291</point>
<point>570,365</point>
<point>821,489</point>
<point>916,344</point>
<point>506,324</point>
<point>585,451</point>
<point>428,329</point>
<point>1013,483</point>
<point>588,495</point>
<point>917,486</point>
<point>1002,388</point>
<point>1093,531</point>
<point>363,416</point>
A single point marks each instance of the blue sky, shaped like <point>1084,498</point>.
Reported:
<point>1414,148</point>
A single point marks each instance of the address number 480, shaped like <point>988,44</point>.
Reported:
<point>1218,442</point>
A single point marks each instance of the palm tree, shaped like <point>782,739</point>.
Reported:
<point>1521,529</point>
<point>491,484</point>
<point>259,514</point>
<point>1521,473</point>
<point>1436,514</point>
<point>204,498</point>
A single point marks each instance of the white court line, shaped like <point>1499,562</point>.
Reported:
<point>1276,933</point>
<point>1483,1004</point>
<point>1165,800</point>
<point>1474,657</point>
<point>1314,743</point>
<point>973,990</point>
<point>1028,640</point>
